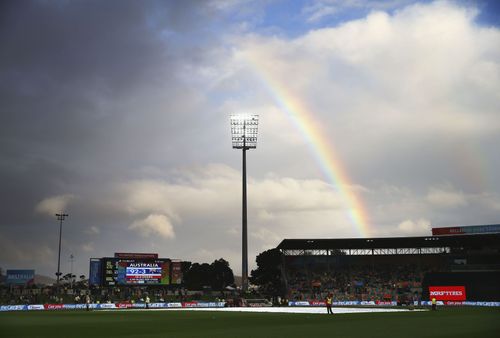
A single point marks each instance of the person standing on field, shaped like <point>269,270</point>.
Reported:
<point>328,301</point>
<point>87,301</point>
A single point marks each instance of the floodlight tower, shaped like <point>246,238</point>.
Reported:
<point>244,136</point>
<point>60,218</point>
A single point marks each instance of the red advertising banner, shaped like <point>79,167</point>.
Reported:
<point>447,231</point>
<point>190,304</point>
<point>123,305</point>
<point>454,293</point>
<point>135,255</point>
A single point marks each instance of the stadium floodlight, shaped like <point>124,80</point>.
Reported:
<point>60,218</point>
<point>244,131</point>
<point>244,136</point>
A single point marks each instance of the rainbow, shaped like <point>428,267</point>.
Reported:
<point>319,145</point>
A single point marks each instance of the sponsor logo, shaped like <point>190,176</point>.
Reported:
<point>453,293</point>
<point>317,303</point>
<point>207,304</point>
<point>487,303</point>
<point>299,303</point>
<point>352,302</point>
<point>189,304</point>
<point>174,304</point>
<point>257,305</point>
<point>123,305</point>
<point>53,306</point>
<point>203,304</point>
<point>157,305</point>
<point>446,293</point>
<point>36,307</point>
<point>12,307</point>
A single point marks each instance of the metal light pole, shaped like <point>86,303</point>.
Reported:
<point>71,259</point>
<point>60,218</point>
<point>244,136</point>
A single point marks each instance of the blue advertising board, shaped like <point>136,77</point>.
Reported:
<point>95,272</point>
<point>20,277</point>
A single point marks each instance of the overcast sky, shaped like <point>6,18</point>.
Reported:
<point>117,113</point>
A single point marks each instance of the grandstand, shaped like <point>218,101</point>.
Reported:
<point>398,269</point>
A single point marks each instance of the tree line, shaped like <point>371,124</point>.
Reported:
<point>216,276</point>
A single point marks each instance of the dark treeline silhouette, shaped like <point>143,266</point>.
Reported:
<point>215,276</point>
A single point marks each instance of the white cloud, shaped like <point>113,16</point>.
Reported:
<point>88,247</point>
<point>421,227</point>
<point>288,194</point>
<point>154,225</point>
<point>490,201</point>
<point>446,197</point>
<point>55,204</point>
<point>205,204</point>
<point>93,230</point>
<point>405,74</point>
<point>317,12</point>
<point>197,196</point>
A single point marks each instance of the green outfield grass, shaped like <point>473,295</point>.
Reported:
<point>451,322</point>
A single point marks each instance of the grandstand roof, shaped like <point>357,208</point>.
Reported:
<point>468,241</point>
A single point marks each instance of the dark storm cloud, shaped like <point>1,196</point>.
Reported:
<point>66,66</point>
<point>89,42</point>
<point>82,92</point>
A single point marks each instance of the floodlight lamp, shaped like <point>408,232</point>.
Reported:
<point>244,129</point>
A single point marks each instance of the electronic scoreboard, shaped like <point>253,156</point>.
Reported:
<point>117,271</point>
